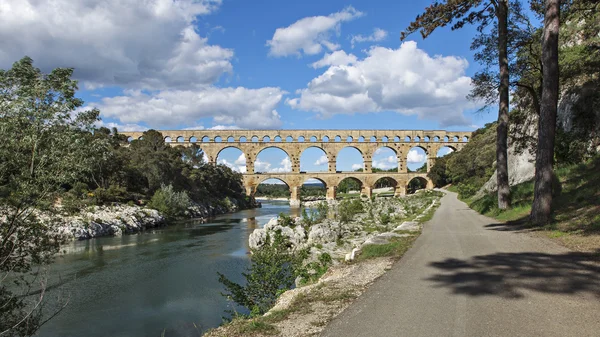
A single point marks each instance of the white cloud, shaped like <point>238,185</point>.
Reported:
<point>415,157</point>
<point>241,160</point>
<point>378,35</point>
<point>137,44</point>
<point>309,35</point>
<point>286,166</point>
<point>337,58</point>
<point>242,107</point>
<point>406,80</point>
<point>322,160</point>
<point>386,163</point>
<point>121,127</point>
<point>357,166</point>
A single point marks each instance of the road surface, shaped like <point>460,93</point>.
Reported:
<point>468,275</point>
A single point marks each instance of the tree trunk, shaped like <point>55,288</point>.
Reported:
<point>541,211</point>
<point>502,129</point>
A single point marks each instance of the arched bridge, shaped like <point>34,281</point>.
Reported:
<point>294,142</point>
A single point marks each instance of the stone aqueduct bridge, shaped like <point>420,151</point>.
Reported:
<point>294,142</point>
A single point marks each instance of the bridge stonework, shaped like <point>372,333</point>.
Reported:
<point>294,142</point>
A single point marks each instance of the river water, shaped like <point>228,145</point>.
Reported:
<point>161,280</point>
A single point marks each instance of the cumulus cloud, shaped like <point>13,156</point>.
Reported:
<point>378,35</point>
<point>238,165</point>
<point>309,35</point>
<point>322,160</point>
<point>415,156</point>
<point>264,166</point>
<point>242,107</point>
<point>406,80</point>
<point>337,58</point>
<point>357,167</point>
<point>386,163</point>
<point>151,44</point>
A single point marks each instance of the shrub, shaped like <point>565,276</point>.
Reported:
<point>170,202</point>
<point>273,269</point>
<point>384,218</point>
<point>347,209</point>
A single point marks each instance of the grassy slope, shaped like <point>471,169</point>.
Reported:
<point>577,207</point>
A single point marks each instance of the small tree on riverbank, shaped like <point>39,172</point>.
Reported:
<point>273,270</point>
<point>43,149</point>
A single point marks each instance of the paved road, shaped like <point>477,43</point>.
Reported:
<point>467,275</point>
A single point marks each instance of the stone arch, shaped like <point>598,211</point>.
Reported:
<point>229,147</point>
<point>465,139</point>
<point>313,139</point>
<point>193,139</point>
<point>323,153</point>
<point>417,183</point>
<point>272,147</point>
<point>262,179</point>
<point>337,156</point>
<point>168,139</point>
<point>230,139</point>
<point>353,178</point>
<point>243,139</point>
<point>266,139</point>
<point>129,139</point>
<point>325,138</point>
<point>349,139</point>
<point>385,161</point>
<point>277,139</point>
<point>289,139</point>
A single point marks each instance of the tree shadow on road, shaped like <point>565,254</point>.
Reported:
<point>512,275</point>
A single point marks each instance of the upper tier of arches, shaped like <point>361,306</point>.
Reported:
<point>310,136</point>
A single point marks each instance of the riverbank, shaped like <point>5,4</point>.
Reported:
<point>119,219</point>
<point>362,249</point>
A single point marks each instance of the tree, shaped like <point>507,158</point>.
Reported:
<point>541,210</point>
<point>463,12</point>
<point>44,148</point>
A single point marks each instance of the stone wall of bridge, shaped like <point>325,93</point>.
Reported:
<point>295,142</point>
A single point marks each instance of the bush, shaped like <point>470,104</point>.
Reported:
<point>273,270</point>
<point>169,202</point>
<point>347,209</point>
<point>384,218</point>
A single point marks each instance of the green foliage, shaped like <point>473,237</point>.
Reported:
<point>285,220</point>
<point>469,168</point>
<point>169,202</point>
<point>348,208</point>
<point>384,218</point>
<point>316,215</point>
<point>273,270</point>
<point>314,270</point>
<point>45,146</point>
<point>347,185</point>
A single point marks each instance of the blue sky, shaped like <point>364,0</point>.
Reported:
<point>168,64</point>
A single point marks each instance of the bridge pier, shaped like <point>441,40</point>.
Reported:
<point>295,196</point>
<point>367,191</point>
<point>331,192</point>
<point>400,190</point>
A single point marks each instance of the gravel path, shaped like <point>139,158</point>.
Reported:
<point>466,276</point>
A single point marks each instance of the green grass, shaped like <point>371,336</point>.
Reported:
<point>576,202</point>
<point>452,188</point>
<point>395,248</point>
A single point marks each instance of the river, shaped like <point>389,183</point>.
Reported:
<point>161,280</point>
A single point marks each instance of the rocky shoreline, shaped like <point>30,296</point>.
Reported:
<point>118,219</point>
<point>307,309</point>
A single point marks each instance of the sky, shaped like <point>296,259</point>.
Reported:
<point>222,64</point>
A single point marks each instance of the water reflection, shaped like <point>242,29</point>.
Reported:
<point>162,279</point>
